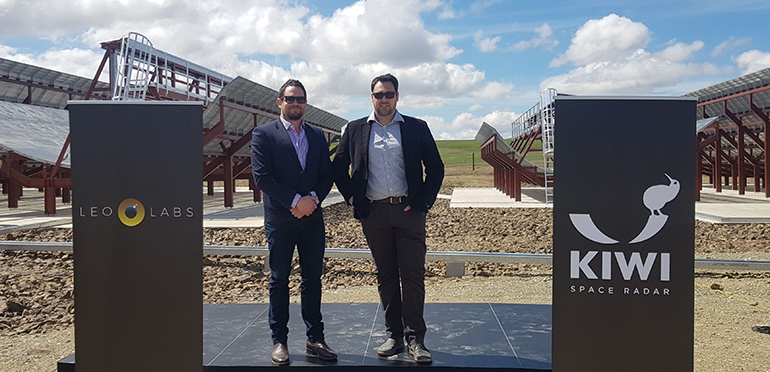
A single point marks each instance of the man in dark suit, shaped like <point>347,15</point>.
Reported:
<point>290,161</point>
<point>386,187</point>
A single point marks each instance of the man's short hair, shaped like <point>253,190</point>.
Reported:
<point>384,79</point>
<point>291,83</point>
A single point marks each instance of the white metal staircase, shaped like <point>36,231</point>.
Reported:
<point>547,120</point>
<point>133,68</point>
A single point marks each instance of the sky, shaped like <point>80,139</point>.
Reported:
<point>459,63</point>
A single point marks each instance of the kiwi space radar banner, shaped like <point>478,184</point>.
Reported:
<point>137,226</point>
<point>624,221</point>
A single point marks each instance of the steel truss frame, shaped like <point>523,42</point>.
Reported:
<point>733,149</point>
<point>171,79</point>
<point>510,166</point>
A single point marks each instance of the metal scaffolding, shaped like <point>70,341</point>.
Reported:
<point>511,167</point>
<point>732,147</point>
<point>136,70</point>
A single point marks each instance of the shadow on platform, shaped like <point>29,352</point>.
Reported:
<point>510,337</point>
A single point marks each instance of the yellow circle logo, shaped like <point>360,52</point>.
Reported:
<point>131,212</point>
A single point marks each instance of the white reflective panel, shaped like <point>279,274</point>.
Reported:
<point>743,83</point>
<point>23,74</point>
<point>260,97</point>
<point>703,123</point>
<point>34,132</point>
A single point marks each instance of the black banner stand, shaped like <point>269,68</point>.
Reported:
<point>624,220</point>
<point>137,226</point>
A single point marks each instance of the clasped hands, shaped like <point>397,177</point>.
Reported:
<point>305,206</point>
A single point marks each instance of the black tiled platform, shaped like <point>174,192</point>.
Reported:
<point>511,337</point>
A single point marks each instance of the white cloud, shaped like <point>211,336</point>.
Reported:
<point>730,43</point>
<point>418,101</point>
<point>543,38</point>
<point>201,30</point>
<point>493,91</point>
<point>466,125</point>
<point>336,56</point>
<point>445,79</point>
<point>268,41</point>
<point>475,107</point>
<point>752,61</point>
<point>406,42</point>
<point>485,44</point>
<point>605,39</point>
<point>481,5</point>
<point>447,12</point>
<point>80,62</point>
<point>639,73</point>
<point>464,135</point>
<point>423,86</point>
<point>609,58</point>
<point>679,52</point>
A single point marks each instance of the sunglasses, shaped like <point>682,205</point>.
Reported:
<point>388,95</point>
<point>291,99</point>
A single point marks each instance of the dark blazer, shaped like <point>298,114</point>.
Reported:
<point>279,175</point>
<point>419,149</point>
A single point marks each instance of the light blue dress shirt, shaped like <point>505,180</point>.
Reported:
<point>387,173</point>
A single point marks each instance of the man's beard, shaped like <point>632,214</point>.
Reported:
<point>385,111</point>
<point>294,115</point>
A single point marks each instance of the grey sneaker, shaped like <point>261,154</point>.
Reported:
<point>390,347</point>
<point>420,353</point>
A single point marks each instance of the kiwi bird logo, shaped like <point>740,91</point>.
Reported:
<point>657,196</point>
<point>654,199</point>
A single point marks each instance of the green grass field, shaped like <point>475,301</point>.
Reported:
<point>459,152</point>
<point>462,152</point>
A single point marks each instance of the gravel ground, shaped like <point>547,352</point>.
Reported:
<point>37,305</point>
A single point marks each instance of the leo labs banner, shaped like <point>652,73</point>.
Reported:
<point>624,217</point>
<point>138,235</point>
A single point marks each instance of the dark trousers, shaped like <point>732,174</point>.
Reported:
<point>309,236</point>
<point>397,241</point>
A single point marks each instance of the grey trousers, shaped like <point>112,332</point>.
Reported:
<point>397,241</point>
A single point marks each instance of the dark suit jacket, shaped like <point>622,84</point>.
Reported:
<point>278,174</point>
<point>419,149</point>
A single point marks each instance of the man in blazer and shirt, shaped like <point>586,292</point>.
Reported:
<point>386,187</point>
<point>290,162</point>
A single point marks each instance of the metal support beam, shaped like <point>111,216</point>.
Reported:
<point>229,183</point>
<point>239,144</point>
<point>66,195</point>
<point>49,198</point>
<point>739,177</point>
<point>254,189</point>
<point>766,120</point>
<point>61,157</point>
<point>14,192</point>
<point>28,100</point>
<point>241,167</point>
<point>717,158</point>
<point>99,70</point>
<point>517,185</point>
<point>209,168</point>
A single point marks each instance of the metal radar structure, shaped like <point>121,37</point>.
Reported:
<point>133,68</point>
<point>537,123</point>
